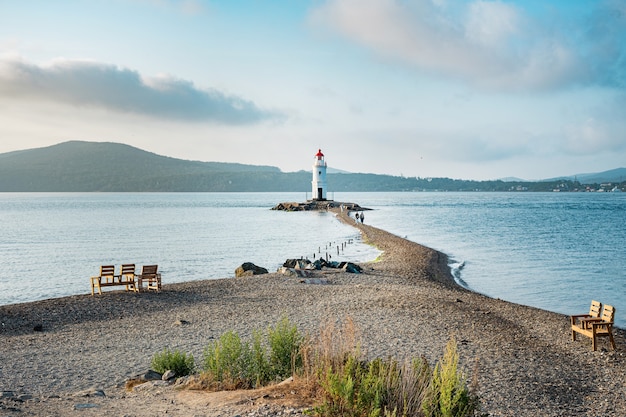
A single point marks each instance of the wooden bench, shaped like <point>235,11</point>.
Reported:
<point>108,278</point>
<point>150,277</point>
<point>595,327</point>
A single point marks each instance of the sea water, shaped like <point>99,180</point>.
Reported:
<point>50,244</point>
<point>555,251</point>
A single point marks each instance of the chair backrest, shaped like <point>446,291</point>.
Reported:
<point>149,270</point>
<point>107,270</point>
<point>128,269</point>
<point>594,310</point>
<point>608,314</point>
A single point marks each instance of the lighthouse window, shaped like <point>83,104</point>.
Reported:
<point>320,172</point>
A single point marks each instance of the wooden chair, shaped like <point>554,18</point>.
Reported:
<point>581,320</point>
<point>597,327</point>
<point>127,277</point>
<point>107,276</point>
<point>150,277</point>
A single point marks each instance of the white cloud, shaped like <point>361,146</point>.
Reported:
<point>594,136</point>
<point>93,84</point>
<point>187,7</point>
<point>490,44</point>
<point>491,23</point>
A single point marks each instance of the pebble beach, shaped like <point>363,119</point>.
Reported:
<point>71,356</point>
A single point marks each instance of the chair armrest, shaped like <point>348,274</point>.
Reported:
<point>580,315</point>
<point>591,319</point>
<point>601,323</point>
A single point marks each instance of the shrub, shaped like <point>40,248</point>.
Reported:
<point>449,395</point>
<point>226,360</point>
<point>407,386</point>
<point>357,390</point>
<point>260,370</point>
<point>232,363</point>
<point>284,341</point>
<point>352,387</point>
<point>178,362</point>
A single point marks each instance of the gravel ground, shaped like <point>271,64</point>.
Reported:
<point>405,305</point>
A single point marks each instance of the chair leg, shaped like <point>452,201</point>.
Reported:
<point>95,283</point>
<point>611,338</point>
<point>593,340</point>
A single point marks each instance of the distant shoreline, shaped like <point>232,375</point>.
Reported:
<point>62,168</point>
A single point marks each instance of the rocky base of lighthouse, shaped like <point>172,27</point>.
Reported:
<point>312,205</point>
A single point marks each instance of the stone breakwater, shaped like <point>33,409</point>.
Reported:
<point>311,205</point>
<point>404,306</point>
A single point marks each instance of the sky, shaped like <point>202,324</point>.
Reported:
<point>463,89</point>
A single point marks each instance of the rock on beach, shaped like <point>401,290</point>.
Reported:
<point>405,305</point>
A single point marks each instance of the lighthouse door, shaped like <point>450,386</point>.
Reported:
<point>319,194</point>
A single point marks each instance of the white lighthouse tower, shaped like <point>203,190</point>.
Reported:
<point>319,177</point>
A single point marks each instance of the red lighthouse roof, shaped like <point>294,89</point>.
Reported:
<point>319,153</point>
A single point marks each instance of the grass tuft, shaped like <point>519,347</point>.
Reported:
<point>230,363</point>
<point>179,362</point>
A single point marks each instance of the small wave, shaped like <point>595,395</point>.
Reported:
<point>455,269</point>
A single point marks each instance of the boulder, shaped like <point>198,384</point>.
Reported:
<point>298,264</point>
<point>248,269</point>
<point>294,272</point>
<point>168,375</point>
<point>350,267</point>
<point>142,378</point>
<point>148,375</point>
<point>288,206</point>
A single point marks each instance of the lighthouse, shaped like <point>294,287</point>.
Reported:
<point>319,177</point>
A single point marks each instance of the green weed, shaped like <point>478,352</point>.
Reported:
<point>233,363</point>
<point>284,341</point>
<point>178,362</point>
<point>449,394</point>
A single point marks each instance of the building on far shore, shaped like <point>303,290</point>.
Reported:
<point>319,185</point>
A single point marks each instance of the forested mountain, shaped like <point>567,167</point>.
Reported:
<point>614,175</point>
<point>78,166</point>
<point>96,166</point>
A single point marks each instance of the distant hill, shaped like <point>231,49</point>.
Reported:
<point>614,176</point>
<point>512,179</point>
<point>78,166</point>
<point>105,166</point>
<point>331,170</point>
